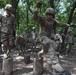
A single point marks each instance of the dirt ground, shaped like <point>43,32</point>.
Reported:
<point>21,68</point>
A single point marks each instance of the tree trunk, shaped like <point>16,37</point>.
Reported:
<point>7,66</point>
<point>38,66</point>
<point>27,16</point>
<point>69,22</point>
<point>51,2</point>
<point>70,17</point>
<point>14,7</point>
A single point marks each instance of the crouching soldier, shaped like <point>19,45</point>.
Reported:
<point>20,45</point>
<point>22,42</point>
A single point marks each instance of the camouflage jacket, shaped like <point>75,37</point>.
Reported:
<point>69,38</point>
<point>45,24</point>
<point>8,23</point>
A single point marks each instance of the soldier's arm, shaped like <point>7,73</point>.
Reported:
<point>36,16</point>
<point>61,24</point>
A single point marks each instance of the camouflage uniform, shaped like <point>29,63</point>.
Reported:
<point>58,39</point>
<point>8,26</point>
<point>34,36</point>
<point>69,41</point>
<point>34,33</point>
<point>45,32</point>
<point>22,41</point>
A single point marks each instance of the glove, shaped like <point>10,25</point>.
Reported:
<point>68,25</point>
<point>39,4</point>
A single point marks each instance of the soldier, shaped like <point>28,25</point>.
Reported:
<point>8,27</point>
<point>58,39</point>
<point>69,41</point>
<point>46,23</point>
<point>34,36</point>
<point>34,33</point>
<point>52,34</point>
<point>22,41</point>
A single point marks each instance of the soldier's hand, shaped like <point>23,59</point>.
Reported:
<point>68,25</point>
<point>39,3</point>
<point>72,25</point>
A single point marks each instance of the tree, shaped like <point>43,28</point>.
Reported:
<point>14,7</point>
<point>70,17</point>
<point>51,2</point>
<point>69,22</point>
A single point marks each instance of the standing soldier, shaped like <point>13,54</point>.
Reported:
<point>69,41</point>
<point>58,39</point>
<point>34,36</point>
<point>46,23</point>
<point>8,27</point>
<point>34,33</point>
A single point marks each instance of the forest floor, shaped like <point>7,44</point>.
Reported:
<point>21,68</point>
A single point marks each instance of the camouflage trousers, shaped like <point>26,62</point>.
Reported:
<point>7,42</point>
<point>68,48</point>
<point>49,47</point>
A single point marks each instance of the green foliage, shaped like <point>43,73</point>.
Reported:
<point>4,2</point>
<point>62,12</point>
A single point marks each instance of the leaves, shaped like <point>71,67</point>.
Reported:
<point>62,10</point>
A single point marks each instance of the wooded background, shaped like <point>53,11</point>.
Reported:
<point>23,11</point>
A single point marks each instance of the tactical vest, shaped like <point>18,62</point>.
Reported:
<point>48,26</point>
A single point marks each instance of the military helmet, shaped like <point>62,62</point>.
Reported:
<point>59,30</point>
<point>8,7</point>
<point>33,28</point>
<point>49,10</point>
